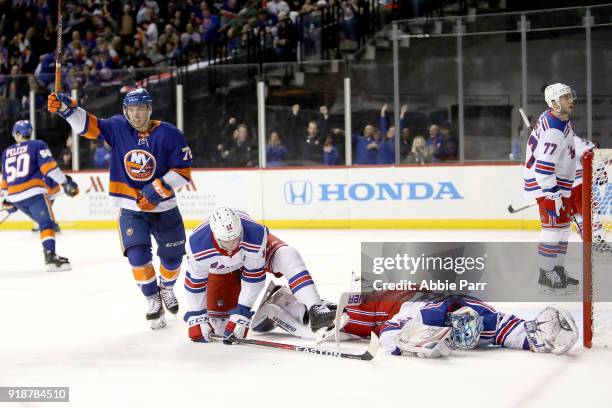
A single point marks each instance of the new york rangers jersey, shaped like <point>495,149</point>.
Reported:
<point>550,158</point>
<point>205,257</point>
<point>137,159</point>
<point>386,312</point>
<point>582,146</point>
<point>25,166</point>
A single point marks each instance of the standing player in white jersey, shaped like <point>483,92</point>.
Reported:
<point>600,177</point>
<point>549,173</point>
<point>228,257</point>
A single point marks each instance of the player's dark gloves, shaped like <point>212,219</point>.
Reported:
<point>70,187</point>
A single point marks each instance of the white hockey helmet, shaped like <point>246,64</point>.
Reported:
<point>555,91</point>
<point>225,225</point>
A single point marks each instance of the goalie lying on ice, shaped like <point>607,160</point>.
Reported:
<point>430,325</point>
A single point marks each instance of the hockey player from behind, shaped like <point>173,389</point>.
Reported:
<point>228,257</point>
<point>149,162</point>
<point>548,177</point>
<point>600,177</point>
<point>422,324</point>
<point>25,165</point>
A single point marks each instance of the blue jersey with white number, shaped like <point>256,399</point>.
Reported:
<point>137,159</point>
<point>24,167</point>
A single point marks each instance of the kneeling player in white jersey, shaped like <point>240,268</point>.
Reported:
<point>424,324</point>
<point>549,173</point>
<point>600,177</point>
<point>228,257</point>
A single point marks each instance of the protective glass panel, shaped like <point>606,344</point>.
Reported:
<point>305,114</point>
<point>601,38</point>
<point>491,118</point>
<point>220,115</point>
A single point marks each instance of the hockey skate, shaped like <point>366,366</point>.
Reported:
<point>56,263</point>
<point>572,283</point>
<point>321,315</point>
<point>170,302</point>
<point>156,312</point>
<point>551,283</point>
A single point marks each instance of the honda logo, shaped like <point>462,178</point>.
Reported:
<point>298,192</point>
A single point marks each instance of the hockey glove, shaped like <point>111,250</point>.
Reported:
<point>553,331</point>
<point>152,194</point>
<point>238,325</point>
<point>200,328</point>
<point>61,104</point>
<point>70,187</point>
<point>553,204</point>
<point>8,207</point>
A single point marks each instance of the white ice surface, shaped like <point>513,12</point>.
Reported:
<point>86,329</point>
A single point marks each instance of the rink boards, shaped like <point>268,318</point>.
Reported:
<point>422,197</point>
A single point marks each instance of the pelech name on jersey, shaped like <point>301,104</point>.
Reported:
<point>15,151</point>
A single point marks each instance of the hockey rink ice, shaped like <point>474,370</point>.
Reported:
<point>86,329</point>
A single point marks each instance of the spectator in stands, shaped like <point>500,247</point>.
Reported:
<point>14,92</point>
<point>311,147</point>
<point>435,143</point>
<point>242,153</point>
<point>348,22</point>
<point>169,36</point>
<point>366,146</point>
<point>285,40</point>
<point>419,154</point>
<point>386,150</point>
<point>127,24</point>
<point>449,151</point>
<point>210,26</point>
<point>405,145</point>
<point>190,38</point>
<point>330,152</point>
<point>277,7</point>
<point>229,11</point>
<point>65,161</point>
<point>276,153</point>
<point>102,155</point>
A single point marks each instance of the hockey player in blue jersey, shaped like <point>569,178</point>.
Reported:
<point>25,165</point>
<point>149,162</point>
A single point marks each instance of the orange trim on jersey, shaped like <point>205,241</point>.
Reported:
<point>47,233</point>
<point>184,172</point>
<point>18,188</point>
<point>50,207</point>
<point>154,124</point>
<point>93,130</point>
<point>119,231</point>
<point>169,274</point>
<point>143,273</point>
<point>3,184</point>
<point>123,189</point>
<point>52,190</point>
<point>47,167</point>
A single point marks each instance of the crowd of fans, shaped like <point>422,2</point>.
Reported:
<point>312,142</point>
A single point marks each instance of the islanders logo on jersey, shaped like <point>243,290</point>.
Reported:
<point>139,165</point>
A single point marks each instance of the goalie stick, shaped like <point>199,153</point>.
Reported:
<point>366,356</point>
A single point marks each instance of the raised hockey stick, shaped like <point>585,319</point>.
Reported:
<point>58,50</point>
<point>513,210</point>
<point>366,356</point>
<point>525,118</point>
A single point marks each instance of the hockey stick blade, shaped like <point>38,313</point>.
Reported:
<point>366,356</point>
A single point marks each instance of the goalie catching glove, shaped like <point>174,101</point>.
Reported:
<point>152,194</point>
<point>61,104</point>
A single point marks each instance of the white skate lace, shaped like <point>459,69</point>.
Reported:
<point>154,304</point>
<point>168,296</point>
<point>553,277</point>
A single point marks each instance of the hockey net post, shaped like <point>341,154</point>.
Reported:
<point>597,257</point>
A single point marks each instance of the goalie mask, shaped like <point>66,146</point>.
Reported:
<point>466,325</point>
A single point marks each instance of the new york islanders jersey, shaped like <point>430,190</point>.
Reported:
<point>137,159</point>
<point>550,158</point>
<point>582,146</point>
<point>25,166</point>
<point>386,312</point>
<point>205,257</point>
